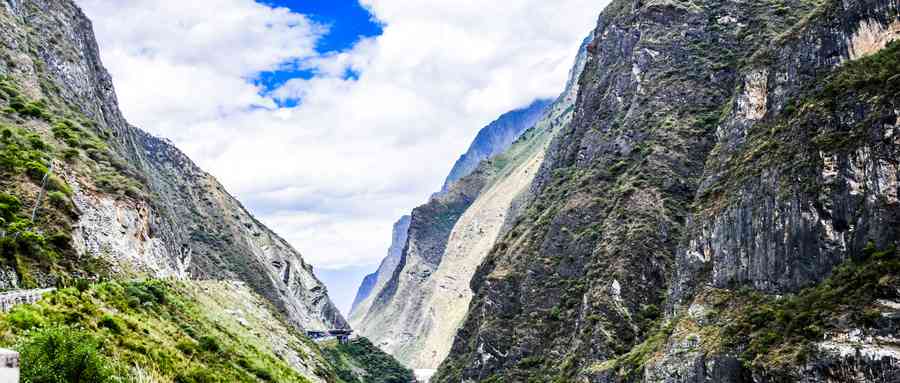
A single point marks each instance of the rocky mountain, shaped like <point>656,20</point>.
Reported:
<point>493,139</point>
<point>376,280</point>
<point>496,138</point>
<point>418,309</point>
<point>121,202</point>
<point>722,207</point>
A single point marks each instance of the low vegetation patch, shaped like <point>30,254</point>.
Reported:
<point>361,354</point>
<point>113,332</point>
<point>777,332</point>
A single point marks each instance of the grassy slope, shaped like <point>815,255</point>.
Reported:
<point>33,135</point>
<point>178,332</point>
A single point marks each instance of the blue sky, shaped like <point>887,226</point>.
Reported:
<point>347,22</point>
<point>326,124</point>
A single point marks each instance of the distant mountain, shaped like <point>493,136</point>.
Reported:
<point>496,138</point>
<point>376,280</point>
<point>416,311</point>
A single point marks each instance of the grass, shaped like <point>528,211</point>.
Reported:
<point>154,325</point>
<point>362,354</point>
<point>179,332</point>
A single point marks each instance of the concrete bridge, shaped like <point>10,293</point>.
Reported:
<point>10,299</point>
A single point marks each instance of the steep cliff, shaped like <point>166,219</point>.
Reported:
<point>122,202</point>
<point>416,313</point>
<point>496,138</point>
<point>723,206</point>
<point>493,139</point>
<point>375,282</point>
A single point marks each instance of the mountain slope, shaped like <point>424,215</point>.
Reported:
<point>417,312</point>
<point>128,203</point>
<point>496,138</point>
<point>724,159</point>
<point>181,331</point>
<point>491,140</point>
<point>375,282</point>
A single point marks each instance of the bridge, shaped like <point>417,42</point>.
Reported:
<point>10,299</point>
<point>342,335</point>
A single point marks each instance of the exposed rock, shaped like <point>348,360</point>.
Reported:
<point>173,219</point>
<point>377,280</point>
<point>719,144</point>
<point>418,312</point>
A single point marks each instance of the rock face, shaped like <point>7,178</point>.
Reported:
<point>721,152</point>
<point>496,138</point>
<point>172,219</point>
<point>375,282</point>
<point>415,314</point>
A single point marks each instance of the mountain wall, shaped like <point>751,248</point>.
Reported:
<point>122,203</point>
<point>375,282</point>
<point>496,138</point>
<point>416,313</point>
<point>723,206</point>
<point>491,140</point>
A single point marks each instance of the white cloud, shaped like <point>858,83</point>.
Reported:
<point>332,174</point>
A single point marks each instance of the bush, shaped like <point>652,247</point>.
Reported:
<point>198,375</point>
<point>9,206</point>
<point>63,355</point>
<point>112,323</point>
<point>210,344</point>
<point>36,170</point>
<point>25,318</point>
<point>36,142</point>
<point>58,199</point>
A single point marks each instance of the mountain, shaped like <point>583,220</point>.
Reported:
<point>490,141</point>
<point>376,280</point>
<point>496,138</point>
<point>127,203</point>
<point>161,275</point>
<point>722,207</point>
<point>415,313</point>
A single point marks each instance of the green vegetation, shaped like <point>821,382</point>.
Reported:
<point>362,354</point>
<point>115,331</point>
<point>808,127</point>
<point>62,354</point>
<point>780,332</point>
<point>633,362</point>
<point>34,135</point>
<point>175,332</point>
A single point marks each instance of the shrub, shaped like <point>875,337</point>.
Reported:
<point>210,344</point>
<point>58,199</point>
<point>62,354</point>
<point>26,318</point>
<point>36,142</point>
<point>34,109</point>
<point>198,375</point>
<point>112,323</point>
<point>36,170</point>
<point>9,206</point>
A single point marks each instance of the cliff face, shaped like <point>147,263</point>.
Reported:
<point>496,138</point>
<point>375,282</point>
<point>490,141</point>
<point>415,314</point>
<point>723,160</point>
<point>129,204</point>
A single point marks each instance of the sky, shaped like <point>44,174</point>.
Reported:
<point>330,119</point>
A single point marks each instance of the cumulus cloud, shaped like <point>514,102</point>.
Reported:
<point>332,173</point>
